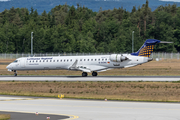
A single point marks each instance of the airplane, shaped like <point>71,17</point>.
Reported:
<point>87,64</point>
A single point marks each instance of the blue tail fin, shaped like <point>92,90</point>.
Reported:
<point>147,48</point>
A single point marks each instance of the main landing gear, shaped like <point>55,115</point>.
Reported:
<point>15,73</point>
<point>84,74</point>
<point>94,73</point>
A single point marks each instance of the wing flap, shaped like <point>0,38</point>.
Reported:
<point>84,70</point>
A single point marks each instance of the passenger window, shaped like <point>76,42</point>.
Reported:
<point>64,60</point>
<point>43,60</point>
<point>67,60</point>
<point>57,60</point>
<point>29,61</point>
<point>50,60</point>
<point>91,59</point>
<point>88,60</point>
<point>106,59</point>
<point>36,61</point>
<point>33,60</point>
<point>80,59</point>
<point>71,59</point>
<point>99,59</point>
<point>40,61</point>
<point>54,60</point>
<point>46,60</point>
<point>84,59</point>
<point>102,59</point>
<point>94,59</point>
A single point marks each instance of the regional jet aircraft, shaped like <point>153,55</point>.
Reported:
<point>86,64</point>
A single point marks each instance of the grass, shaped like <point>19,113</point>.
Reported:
<point>5,116</point>
<point>136,91</point>
<point>153,68</point>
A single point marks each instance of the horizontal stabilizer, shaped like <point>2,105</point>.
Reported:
<point>130,66</point>
<point>165,42</point>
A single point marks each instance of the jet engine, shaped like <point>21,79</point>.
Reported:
<point>117,58</point>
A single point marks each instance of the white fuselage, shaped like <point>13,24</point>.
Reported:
<point>96,63</point>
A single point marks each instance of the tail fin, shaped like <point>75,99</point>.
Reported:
<point>147,48</point>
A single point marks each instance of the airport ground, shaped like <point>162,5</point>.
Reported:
<point>123,91</point>
<point>89,109</point>
<point>136,91</point>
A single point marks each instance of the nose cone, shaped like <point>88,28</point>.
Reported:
<point>9,66</point>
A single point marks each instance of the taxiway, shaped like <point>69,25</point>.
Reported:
<point>93,109</point>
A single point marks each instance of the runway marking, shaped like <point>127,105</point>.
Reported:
<point>71,117</point>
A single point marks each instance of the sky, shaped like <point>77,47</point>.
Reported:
<point>171,0</point>
<point>94,5</point>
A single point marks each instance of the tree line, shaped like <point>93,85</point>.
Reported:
<point>69,29</point>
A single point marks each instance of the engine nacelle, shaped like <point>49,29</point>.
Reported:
<point>117,58</point>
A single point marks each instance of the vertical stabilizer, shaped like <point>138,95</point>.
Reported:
<point>147,48</point>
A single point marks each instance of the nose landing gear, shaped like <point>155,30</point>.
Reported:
<point>15,73</point>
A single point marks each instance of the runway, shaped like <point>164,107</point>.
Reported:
<point>93,109</point>
<point>90,78</point>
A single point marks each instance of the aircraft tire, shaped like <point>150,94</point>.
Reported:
<point>84,74</point>
<point>94,73</point>
<point>15,74</point>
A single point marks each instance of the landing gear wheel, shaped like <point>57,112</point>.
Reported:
<point>94,73</point>
<point>15,73</point>
<point>84,74</point>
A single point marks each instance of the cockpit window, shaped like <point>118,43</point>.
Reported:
<point>15,61</point>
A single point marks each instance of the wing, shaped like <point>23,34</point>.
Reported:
<point>87,68</point>
<point>91,68</point>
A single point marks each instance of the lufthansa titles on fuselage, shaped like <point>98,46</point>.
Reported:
<point>39,58</point>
